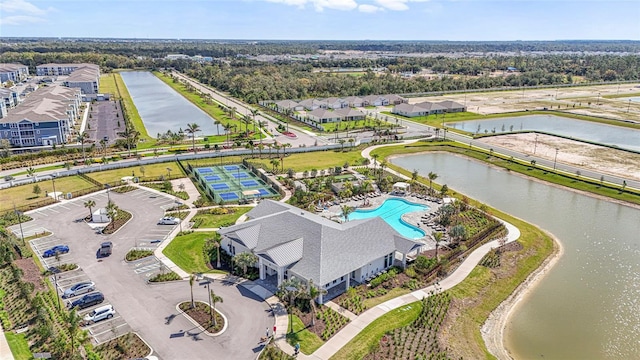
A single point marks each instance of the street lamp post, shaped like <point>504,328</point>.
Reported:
<point>20,222</point>
<point>53,182</point>
<point>554,159</point>
<point>108,187</point>
<point>535,145</point>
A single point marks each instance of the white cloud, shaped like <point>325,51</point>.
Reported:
<point>320,5</point>
<point>397,5</point>
<point>20,19</point>
<point>23,12</point>
<point>368,8</point>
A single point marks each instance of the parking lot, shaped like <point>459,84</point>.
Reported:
<point>148,309</point>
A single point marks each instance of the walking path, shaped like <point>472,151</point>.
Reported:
<point>5,351</point>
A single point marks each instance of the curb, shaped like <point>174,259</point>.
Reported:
<point>224,328</point>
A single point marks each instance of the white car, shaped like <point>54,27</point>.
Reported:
<point>168,220</point>
<point>101,313</point>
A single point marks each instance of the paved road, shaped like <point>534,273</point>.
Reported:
<point>150,309</point>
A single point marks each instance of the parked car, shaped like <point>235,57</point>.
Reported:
<point>168,220</point>
<point>79,288</point>
<point>98,314</point>
<point>58,249</point>
<point>105,249</point>
<point>87,300</point>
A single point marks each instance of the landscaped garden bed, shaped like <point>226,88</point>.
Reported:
<point>202,315</point>
<point>127,346</point>
<point>167,187</point>
<point>165,276</point>
<point>136,254</point>
<point>124,189</point>
<point>118,221</point>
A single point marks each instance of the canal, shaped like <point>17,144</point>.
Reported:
<point>162,108</point>
<point>588,305</point>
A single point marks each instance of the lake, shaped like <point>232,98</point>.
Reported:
<point>162,108</point>
<point>587,306</point>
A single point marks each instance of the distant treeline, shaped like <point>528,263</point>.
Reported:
<point>254,81</point>
<point>158,48</point>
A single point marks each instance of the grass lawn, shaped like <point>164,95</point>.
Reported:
<point>151,170</point>
<point>317,160</point>
<point>108,84</point>
<point>186,252</point>
<point>309,342</point>
<point>393,293</point>
<point>19,346</point>
<point>23,194</point>
<point>132,112</point>
<point>41,169</point>
<point>359,346</point>
<point>206,221</point>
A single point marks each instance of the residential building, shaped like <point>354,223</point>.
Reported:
<point>85,77</point>
<point>3,109</point>
<point>312,104</point>
<point>354,101</point>
<point>288,104</point>
<point>13,72</point>
<point>421,109</point>
<point>432,108</point>
<point>350,114</point>
<point>324,116</point>
<point>293,243</point>
<point>335,103</point>
<point>452,106</point>
<point>10,97</point>
<point>46,117</point>
<point>395,99</point>
<point>375,100</point>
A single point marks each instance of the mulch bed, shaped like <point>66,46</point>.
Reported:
<point>31,273</point>
<point>512,246</point>
<point>306,317</point>
<point>202,315</point>
<point>120,221</point>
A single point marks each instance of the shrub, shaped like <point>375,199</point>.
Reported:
<point>170,276</point>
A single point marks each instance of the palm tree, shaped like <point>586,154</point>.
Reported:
<point>437,236</point>
<point>290,290</point>
<point>192,129</point>
<point>260,148</point>
<point>346,210</point>
<point>432,176</point>
<point>274,164</point>
<point>254,113</point>
<point>73,325</point>
<point>131,136</point>
<point>214,300</point>
<point>30,171</point>
<point>192,278</point>
<point>112,210</point>
<point>244,260</point>
<point>313,293</point>
<point>82,138</point>
<point>342,141</point>
<point>375,162</point>
<point>90,204</point>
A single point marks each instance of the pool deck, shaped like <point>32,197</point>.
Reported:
<point>413,218</point>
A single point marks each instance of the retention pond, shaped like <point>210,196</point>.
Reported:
<point>588,305</point>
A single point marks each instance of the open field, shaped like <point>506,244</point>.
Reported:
<point>316,160</point>
<point>519,100</point>
<point>593,157</point>
<point>186,252</point>
<point>23,194</point>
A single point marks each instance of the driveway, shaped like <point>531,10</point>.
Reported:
<point>149,310</point>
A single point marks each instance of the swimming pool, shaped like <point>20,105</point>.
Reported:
<point>391,211</point>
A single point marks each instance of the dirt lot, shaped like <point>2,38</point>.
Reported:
<point>588,100</point>
<point>597,158</point>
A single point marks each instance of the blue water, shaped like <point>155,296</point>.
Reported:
<point>391,211</point>
<point>635,98</point>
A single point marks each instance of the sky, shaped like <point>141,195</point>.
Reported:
<point>455,20</point>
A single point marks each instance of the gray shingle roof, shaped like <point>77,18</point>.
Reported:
<point>316,248</point>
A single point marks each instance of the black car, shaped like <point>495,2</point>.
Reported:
<point>87,300</point>
<point>105,249</point>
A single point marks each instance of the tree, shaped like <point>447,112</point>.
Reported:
<point>131,136</point>
<point>73,325</point>
<point>90,204</point>
<point>444,190</point>
<point>112,210</point>
<point>313,292</point>
<point>342,141</point>
<point>346,210</point>
<point>290,290</point>
<point>244,260</point>
<point>82,138</point>
<point>414,175</point>
<point>193,129</point>
<point>37,190</point>
<point>437,236</point>
<point>214,300</point>
<point>192,278</point>
<point>375,162</point>
<point>31,171</point>
<point>459,232</point>
<point>432,176</point>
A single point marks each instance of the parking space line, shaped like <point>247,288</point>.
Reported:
<point>62,206</point>
<point>147,268</point>
<point>106,331</point>
<point>100,323</point>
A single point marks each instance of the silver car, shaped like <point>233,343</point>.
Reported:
<point>168,220</point>
<point>101,313</point>
<point>79,288</point>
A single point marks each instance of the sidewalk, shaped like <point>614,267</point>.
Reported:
<point>5,351</point>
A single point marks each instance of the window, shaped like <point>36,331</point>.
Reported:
<point>37,131</point>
